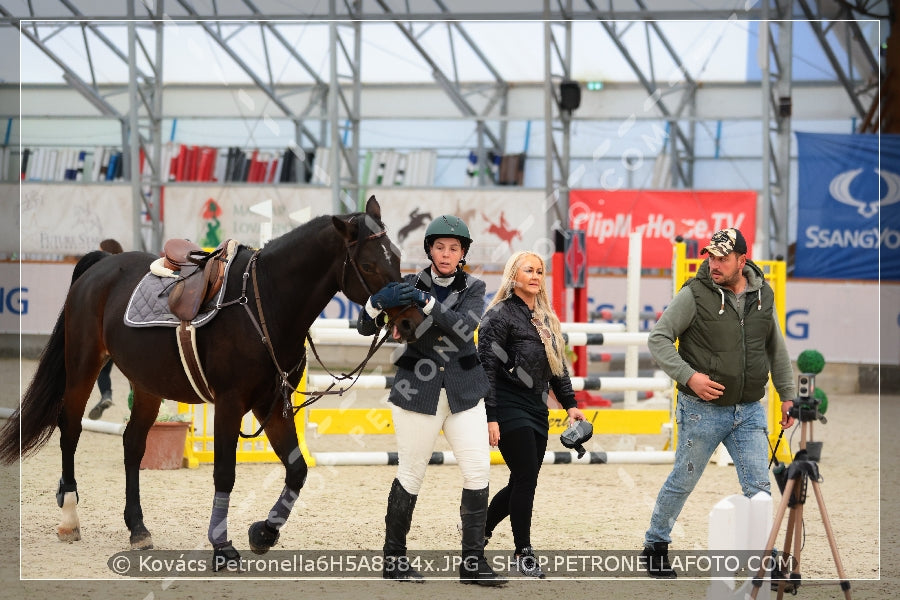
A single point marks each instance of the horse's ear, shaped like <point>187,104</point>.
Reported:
<point>373,209</point>
<point>343,228</point>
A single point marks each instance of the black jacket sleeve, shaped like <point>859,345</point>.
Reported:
<point>562,389</point>
<point>492,341</point>
<point>365,324</point>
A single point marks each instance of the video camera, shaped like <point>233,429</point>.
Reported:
<point>806,405</point>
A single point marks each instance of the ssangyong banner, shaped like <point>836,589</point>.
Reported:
<point>608,217</point>
<point>848,222</point>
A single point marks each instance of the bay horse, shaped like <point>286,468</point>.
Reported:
<point>294,278</point>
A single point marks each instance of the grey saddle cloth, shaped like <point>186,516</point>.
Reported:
<point>149,303</point>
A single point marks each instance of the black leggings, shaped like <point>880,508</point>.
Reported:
<point>104,382</point>
<point>523,450</point>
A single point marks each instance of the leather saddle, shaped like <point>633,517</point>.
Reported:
<point>200,275</point>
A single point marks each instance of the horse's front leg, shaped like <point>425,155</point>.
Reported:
<point>134,441</point>
<point>282,436</point>
<point>227,423</point>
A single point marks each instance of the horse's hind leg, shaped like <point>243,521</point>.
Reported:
<point>134,441</point>
<point>69,528</point>
<point>282,436</point>
<point>81,371</point>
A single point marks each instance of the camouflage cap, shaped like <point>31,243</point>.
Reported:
<point>726,241</point>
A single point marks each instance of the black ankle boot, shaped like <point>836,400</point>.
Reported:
<point>474,567</point>
<point>657,558</point>
<point>104,403</point>
<point>528,564</point>
<point>397,521</point>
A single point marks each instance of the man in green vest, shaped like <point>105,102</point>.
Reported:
<point>728,342</point>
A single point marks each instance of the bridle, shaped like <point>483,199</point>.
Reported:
<point>353,248</point>
<point>351,259</point>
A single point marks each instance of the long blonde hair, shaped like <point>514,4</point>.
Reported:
<point>543,309</point>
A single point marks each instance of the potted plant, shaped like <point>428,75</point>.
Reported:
<point>166,439</point>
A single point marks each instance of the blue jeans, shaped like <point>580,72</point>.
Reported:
<point>701,428</point>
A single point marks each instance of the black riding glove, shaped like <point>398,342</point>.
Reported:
<point>393,294</point>
<point>418,296</point>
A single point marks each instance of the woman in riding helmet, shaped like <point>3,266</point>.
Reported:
<point>439,385</point>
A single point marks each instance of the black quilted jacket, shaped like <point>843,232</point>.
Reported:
<point>511,351</point>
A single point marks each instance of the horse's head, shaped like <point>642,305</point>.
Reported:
<point>372,262</point>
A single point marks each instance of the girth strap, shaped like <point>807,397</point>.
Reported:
<point>187,349</point>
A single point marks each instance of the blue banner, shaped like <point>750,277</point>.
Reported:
<point>848,220</point>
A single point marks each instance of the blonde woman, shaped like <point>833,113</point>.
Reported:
<point>521,347</point>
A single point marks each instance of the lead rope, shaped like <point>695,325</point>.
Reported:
<point>286,387</point>
<point>357,372</point>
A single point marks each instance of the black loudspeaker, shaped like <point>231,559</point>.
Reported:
<point>785,106</point>
<point>569,95</point>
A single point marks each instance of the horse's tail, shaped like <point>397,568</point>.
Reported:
<point>37,416</point>
<point>38,413</point>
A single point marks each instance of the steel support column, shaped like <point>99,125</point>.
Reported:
<point>142,130</point>
<point>343,166</point>
<point>557,122</point>
<point>775,48</point>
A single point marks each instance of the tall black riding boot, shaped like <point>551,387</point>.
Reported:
<point>473,512</point>
<point>397,521</point>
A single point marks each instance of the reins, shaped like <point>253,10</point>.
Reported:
<point>286,388</point>
<point>354,374</point>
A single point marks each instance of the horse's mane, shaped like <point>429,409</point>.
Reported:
<point>309,229</point>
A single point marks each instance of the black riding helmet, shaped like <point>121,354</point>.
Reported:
<point>447,226</point>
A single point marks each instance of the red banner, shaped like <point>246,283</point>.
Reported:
<point>607,217</point>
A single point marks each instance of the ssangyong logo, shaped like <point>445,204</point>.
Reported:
<point>865,237</point>
<point>840,191</point>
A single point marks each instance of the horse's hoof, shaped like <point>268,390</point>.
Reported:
<point>226,557</point>
<point>141,541</point>
<point>262,537</point>
<point>68,535</point>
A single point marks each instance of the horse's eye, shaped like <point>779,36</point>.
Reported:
<point>368,267</point>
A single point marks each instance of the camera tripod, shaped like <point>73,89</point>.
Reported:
<point>794,483</point>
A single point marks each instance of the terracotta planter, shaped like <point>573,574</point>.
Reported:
<point>165,445</point>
